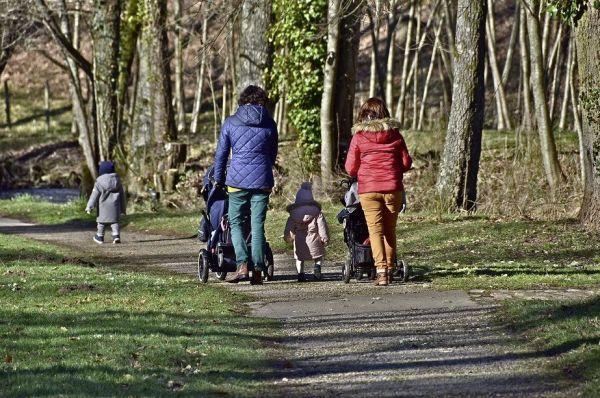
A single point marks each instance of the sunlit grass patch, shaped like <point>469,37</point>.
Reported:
<point>568,331</point>
<point>76,330</point>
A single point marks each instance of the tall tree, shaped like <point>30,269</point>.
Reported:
<point>178,44</point>
<point>538,85</point>
<point>457,181</point>
<point>106,37</point>
<point>86,137</point>
<point>345,86</point>
<point>588,61</point>
<point>154,117</point>
<point>327,100</point>
<point>254,50</point>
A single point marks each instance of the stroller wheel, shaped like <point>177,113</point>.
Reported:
<point>203,265</point>
<point>405,271</point>
<point>358,274</point>
<point>221,275</point>
<point>269,275</point>
<point>347,271</point>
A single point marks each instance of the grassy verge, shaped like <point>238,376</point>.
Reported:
<point>29,126</point>
<point>448,251</point>
<point>73,330</point>
<point>569,331</point>
<point>166,222</point>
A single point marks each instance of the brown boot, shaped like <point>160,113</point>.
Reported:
<point>256,278</point>
<point>240,275</point>
<point>382,278</point>
<point>390,275</point>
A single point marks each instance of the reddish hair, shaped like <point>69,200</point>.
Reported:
<point>373,108</point>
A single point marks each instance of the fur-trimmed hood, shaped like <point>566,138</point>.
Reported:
<point>376,125</point>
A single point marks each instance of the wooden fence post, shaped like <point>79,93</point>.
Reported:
<point>7,104</point>
<point>47,104</point>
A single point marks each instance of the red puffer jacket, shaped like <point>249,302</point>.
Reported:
<point>378,156</point>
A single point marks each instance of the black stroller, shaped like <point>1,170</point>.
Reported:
<point>219,255</point>
<point>359,261</point>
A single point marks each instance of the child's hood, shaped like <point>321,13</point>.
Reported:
<point>109,182</point>
<point>305,213</point>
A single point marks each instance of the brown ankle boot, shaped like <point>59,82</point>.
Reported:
<point>382,278</point>
<point>240,275</point>
<point>390,275</point>
<point>256,278</point>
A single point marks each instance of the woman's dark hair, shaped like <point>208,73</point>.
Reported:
<point>373,108</point>
<point>253,95</point>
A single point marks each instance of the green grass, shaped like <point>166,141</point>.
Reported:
<point>29,125</point>
<point>70,329</point>
<point>568,331</point>
<point>167,222</point>
<point>467,252</point>
<point>448,251</point>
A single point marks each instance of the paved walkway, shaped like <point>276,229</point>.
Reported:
<point>354,339</point>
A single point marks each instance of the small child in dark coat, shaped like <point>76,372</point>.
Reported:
<point>108,197</point>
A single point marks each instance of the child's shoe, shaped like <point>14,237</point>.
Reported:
<point>317,272</point>
<point>116,240</point>
<point>98,239</point>
<point>301,277</point>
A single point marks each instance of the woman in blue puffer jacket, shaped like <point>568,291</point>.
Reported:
<point>251,137</point>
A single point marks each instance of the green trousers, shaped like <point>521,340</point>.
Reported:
<point>241,204</point>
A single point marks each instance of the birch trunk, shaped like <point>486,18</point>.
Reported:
<point>527,117</point>
<point>400,110</point>
<point>327,100</point>
<point>548,146</point>
<point>178,44</point>
<point>200,77</point>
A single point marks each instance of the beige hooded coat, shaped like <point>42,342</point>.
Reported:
<point>306,226</point>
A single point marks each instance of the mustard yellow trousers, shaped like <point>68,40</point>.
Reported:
<point>381,212</point>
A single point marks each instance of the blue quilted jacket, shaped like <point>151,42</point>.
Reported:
<point>251,136</point>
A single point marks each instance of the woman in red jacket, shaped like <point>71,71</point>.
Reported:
<point>378,157</point>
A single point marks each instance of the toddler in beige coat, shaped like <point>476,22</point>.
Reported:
<point>307,228</point>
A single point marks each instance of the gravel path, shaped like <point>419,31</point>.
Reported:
<point>354,339</point>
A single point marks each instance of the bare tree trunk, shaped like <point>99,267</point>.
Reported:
<point>345,85</point>
<point>545,36</point>
<point>254,49</point>
<point>178,44</point>
<point>327,100</point>
<point>374,56</point>
<point>75,41</point>
<point>214,101</point>
<point>85,138</point>
<point>389,72</point>
<point>224,90</point>
<point>457,181</point>
<point>7,105</point>
<point>428,78</point>
<point>47,105</point>
<point>555,49</point>
<point>570,89</point>
<point>568,81</point>
<point>400,110</point>
<point>588,64</point>
<point>450,24</point>
<point>501,107</point>
<point>514,35</point>
<point>416,72</point>
<point>200,77</point>
<point>547,144</point>
<point>106,34</point>
<point>527,116</point>
<point>555,78</point>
